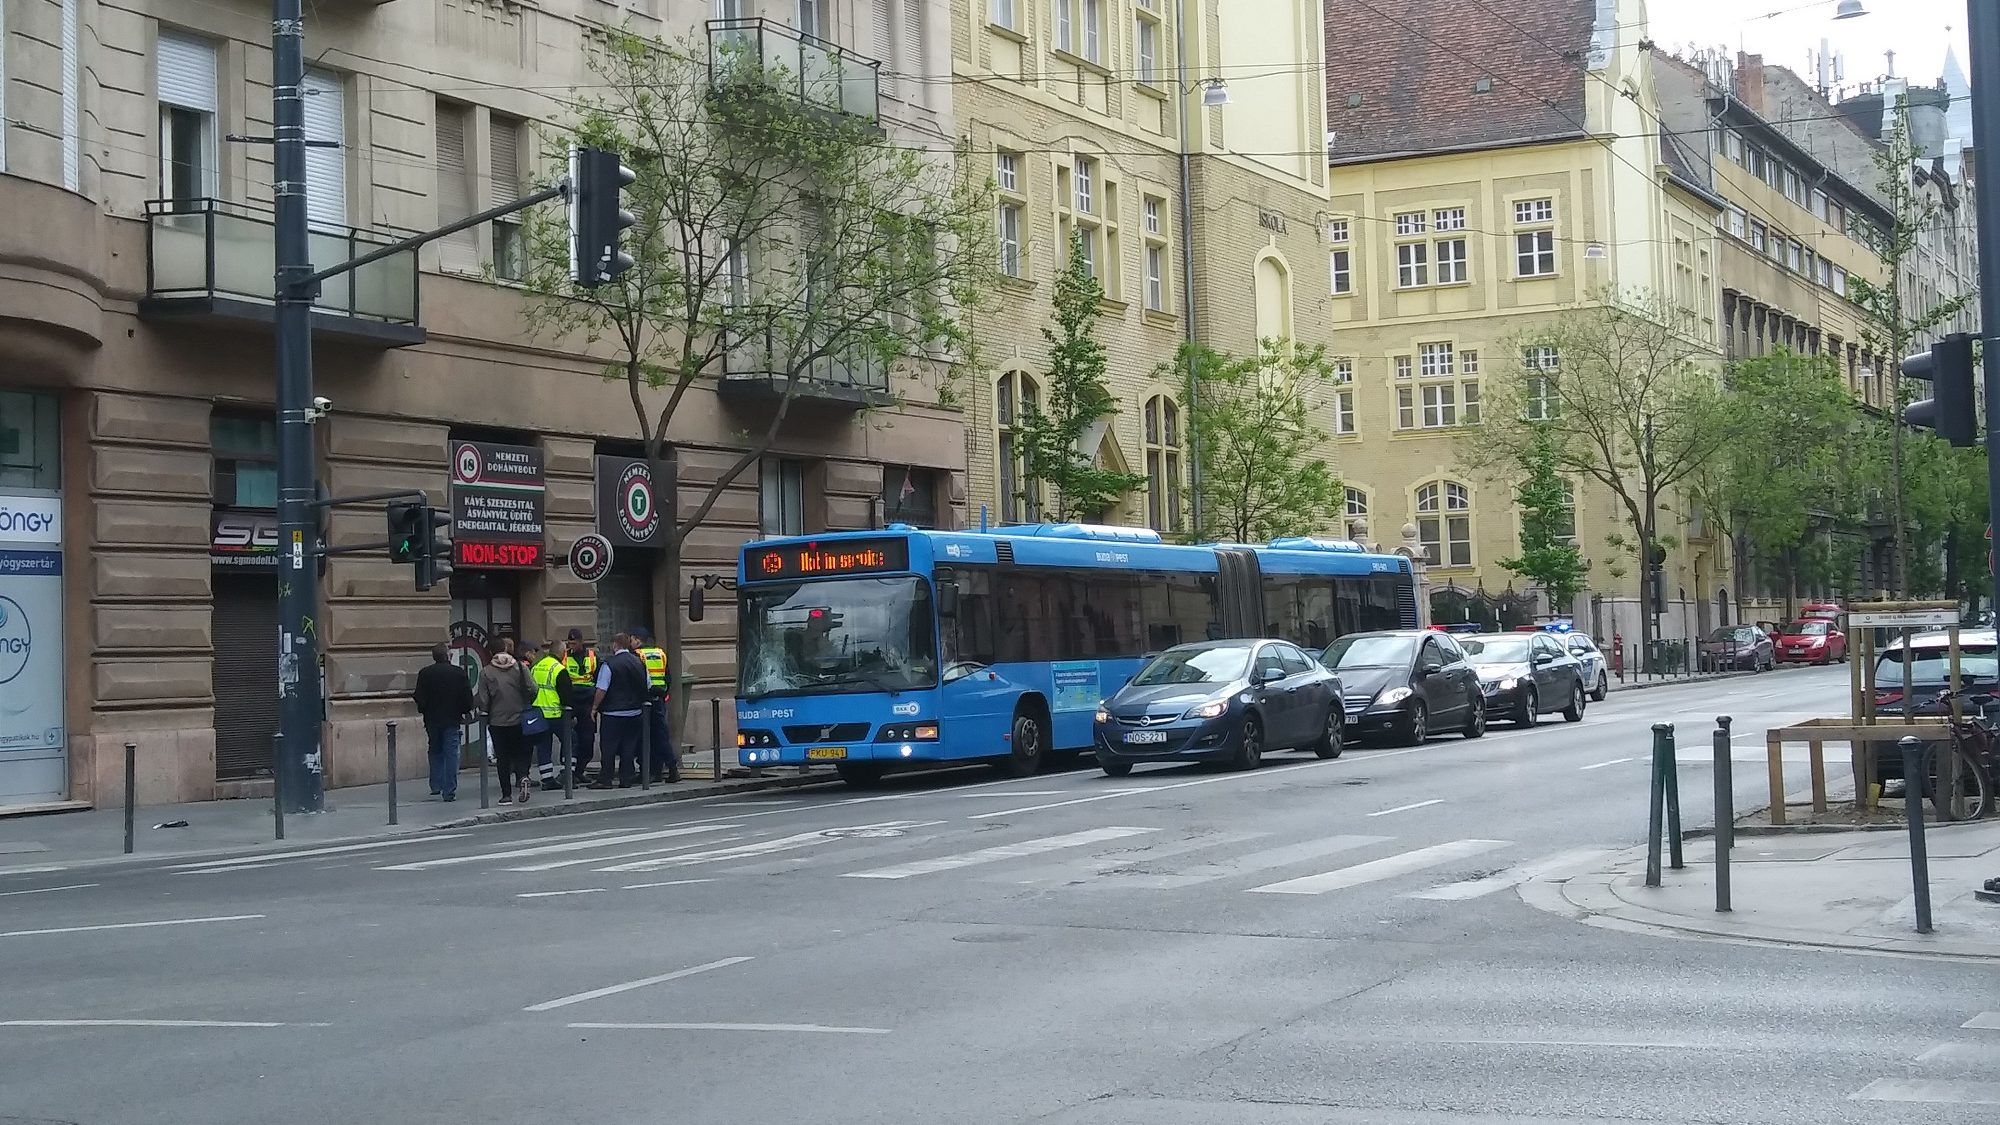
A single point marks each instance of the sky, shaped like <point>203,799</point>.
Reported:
<point>1914,29</point>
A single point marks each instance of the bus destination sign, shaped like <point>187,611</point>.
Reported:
<point>821,560</point>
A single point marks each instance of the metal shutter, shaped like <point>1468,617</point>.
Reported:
<point>504,150</point>
<point>187,71</point>
<point>885,44</point>
<point>326,168</point>
<point>72,69</point>
<point>246,674</point>
<point>454,190</point>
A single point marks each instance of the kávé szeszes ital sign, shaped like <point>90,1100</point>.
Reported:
<point>632,503</point>
<point>498,495</point>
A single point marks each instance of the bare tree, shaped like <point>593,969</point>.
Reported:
<point>778,239</point>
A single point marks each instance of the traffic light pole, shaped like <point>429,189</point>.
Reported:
<point>1983,36</point>
<point>297,761</point>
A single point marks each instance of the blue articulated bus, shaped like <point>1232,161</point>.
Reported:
<point>871,650</point>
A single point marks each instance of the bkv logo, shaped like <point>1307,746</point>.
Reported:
<point>17,639</point>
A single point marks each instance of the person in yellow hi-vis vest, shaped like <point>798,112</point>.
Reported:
<point>580,661</point>
<point>552,685</point>
<point>666,760</point>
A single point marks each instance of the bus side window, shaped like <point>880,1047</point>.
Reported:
<point>969,636</point>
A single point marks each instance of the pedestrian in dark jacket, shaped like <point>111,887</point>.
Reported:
<point>505,692</point>
<point>444,699</point>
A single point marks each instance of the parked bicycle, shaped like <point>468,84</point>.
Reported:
<point>1960,775</point>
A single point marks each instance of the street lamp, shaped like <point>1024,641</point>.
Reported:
<point>1849,9</point>
<point>1215,92</point>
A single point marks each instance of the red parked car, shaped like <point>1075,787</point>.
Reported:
<point>1811,641</point>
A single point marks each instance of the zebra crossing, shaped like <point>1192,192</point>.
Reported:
<point>1109,858</point>
<point>1955,1071</point>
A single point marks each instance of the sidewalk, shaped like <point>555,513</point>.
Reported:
<point>62,840</point>
<point>1838,890</point>
<point>1618,685</point>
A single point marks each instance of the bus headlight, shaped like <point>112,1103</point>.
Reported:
<point>909,732</point>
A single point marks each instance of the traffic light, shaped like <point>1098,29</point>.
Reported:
<point>433,554</point>
<point>597,221</point>
<point>1950,410</point>
<point>405,524</point>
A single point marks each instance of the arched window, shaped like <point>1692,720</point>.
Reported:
<point>1444,523</point>
<point>1274,299</point>
<point>1357,510</point>
<point>1163,463</point>
<point>1015,396</point>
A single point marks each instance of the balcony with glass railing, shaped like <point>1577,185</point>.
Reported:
<point>760,57</point>
<point>210,261</point>
<point>757,369</point>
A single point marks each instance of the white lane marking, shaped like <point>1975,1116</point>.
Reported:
<point>995,854</point>
<point>668,883</point>
<point>47,890</point>
<point>42,870</point>
<point>766,847</point>
<point>1107,866</point>
<point>558,894</point>
<point>1379,869</point>
<point>1612,762</point>
<point>1984,1021</point>
<point>226,870</point>
<point>615,989</point>
<point>1930,1091</point>
<point>133,925</point>
<point>1245,864</point>
<point>153,1023</point>
<point>800,1028</point>
<point>1969,1053</point>
<point>1065,804</point>
<point>1512,877</point>
<point>1407,808</point>
<point>1176,785</point>
<point>1013,793</point>
<point>560,863</point>
<point>568,845</point>
<point>307,853</point>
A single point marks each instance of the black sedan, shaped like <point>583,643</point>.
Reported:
<point>1407,683</point>
<point>1526,675</point>
<point>1221,701</point>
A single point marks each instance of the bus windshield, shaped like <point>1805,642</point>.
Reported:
<point>837,636</point>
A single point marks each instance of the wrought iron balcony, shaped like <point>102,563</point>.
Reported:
<point>210,261</point>
<point>760,56</point>
<point>755,370</point>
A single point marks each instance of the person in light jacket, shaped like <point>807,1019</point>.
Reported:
<point>505,692</point>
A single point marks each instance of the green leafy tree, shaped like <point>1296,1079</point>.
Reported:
<point>1891,318</point>
<point>1625,398</point>
<point>1549,555</point>
<point>1062,477</point>
<point>1259,469</point>
<point>776,241</point>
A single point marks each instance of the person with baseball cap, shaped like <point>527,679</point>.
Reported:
<point>666,760</point>
<point>580,661</point>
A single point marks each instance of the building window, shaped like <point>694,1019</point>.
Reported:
<point>1448,219</point>
<point>1406,408</point>
<point>1085,176</point>
<point>458,251</point>
<point>909,495</point>
<point>1535,253</point>
<point>1340,265</point>
<point>1154,205</point>
<point>1402,363</point>
<point>1079,25</point>
<point>1444,523</point>
<point>1163,463</point>
<point>1156,284</point>
<point>1451,261</point>
<point>326,164</point>
<point>1003,13</point>
<point>1412,264</point>
<point>245,468</point>
<point>1015,397</point>
<point>1007,171</point>
<point>1146,45</point>
<point>1795,257</point>
<point>504,160</point>
<point>187,93</point>
<point>1357,504</point>
<point>812,18</point>
<point>1411,222</point>
<point>781,507</point>
<point>1440,405</point>
<point>1336,231</point>
<point>1739,222</point>
<point>1529,211</point>
<point>1759,236</point>
<point>30,441</point>
<point>1435,361</point>
<point>1541,401</point>
<point>1010,239</point>
<point>1344,422</point>
<point>1840,281</point>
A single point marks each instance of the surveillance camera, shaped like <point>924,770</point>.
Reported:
<point>322,405</point>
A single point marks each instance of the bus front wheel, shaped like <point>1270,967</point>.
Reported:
<point>1028,744</point>
<point>859,774</point>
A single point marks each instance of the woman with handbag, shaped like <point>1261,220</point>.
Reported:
<point>506,693</point>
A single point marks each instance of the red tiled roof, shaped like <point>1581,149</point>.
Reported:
<point>1414,67</point>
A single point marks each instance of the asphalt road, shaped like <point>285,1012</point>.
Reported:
<point>1327,942</point>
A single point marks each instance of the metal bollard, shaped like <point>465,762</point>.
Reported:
<point>485,766</point>
<point>392,771</point>
<point>278,782</point>
<point>569,756</point>
<point>131,783</point>
<point>646,746</point>
<point>1725,813</point>
<point>1663,804</point>
<point>715,725</point>
<point>1673,768</point>
<point>1913,813</point>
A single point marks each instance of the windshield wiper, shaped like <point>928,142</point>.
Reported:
<point>864,678</point>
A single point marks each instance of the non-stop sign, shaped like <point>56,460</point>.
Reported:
<point>590,557</point>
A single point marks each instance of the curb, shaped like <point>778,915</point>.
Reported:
<point>1706,678</point>
<point>659,795</point>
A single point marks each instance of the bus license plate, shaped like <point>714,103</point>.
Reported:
<point>824,752</point>
<point>1141,737</point>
